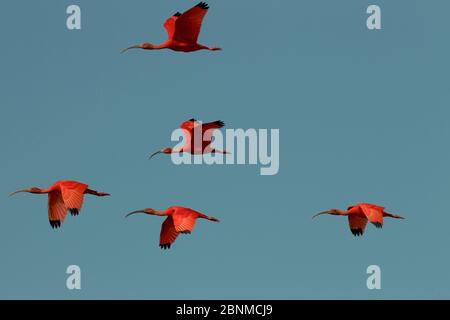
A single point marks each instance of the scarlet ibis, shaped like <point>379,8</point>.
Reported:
<point>183,30</point>
<point>63,196</point>
<point>191,145</point>
<point>359,214</point>
<point>179,220</point>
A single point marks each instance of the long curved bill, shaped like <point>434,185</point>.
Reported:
<point>18,191</point>
<point>135,212</point>
<point>154,154</point>
<point>320,213</point>
<point>131,47</point>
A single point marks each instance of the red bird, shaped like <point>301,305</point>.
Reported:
<point>63,196</point>
<point>179,220</point>
<point>183,31</point>
<point>191,145</point>
<point>359,214</point>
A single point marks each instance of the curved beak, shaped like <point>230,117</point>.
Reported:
<point>320,213</point>
<point>154,154</point>
<point>135,212</point>
<point>18,191</point>
<point>132,47</point>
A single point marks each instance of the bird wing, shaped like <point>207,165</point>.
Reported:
<point>208,130</point>
<point>169,25</point>
<point>57,210</point>
<point>357,224</point>
<point>184,220</point>
<point>190,124</point>
<point>188,25</point>
<point>72,194</point>
<point>168,233</point>
<point>373,213</point>
<point>188,129</point>
<point>187,137</point>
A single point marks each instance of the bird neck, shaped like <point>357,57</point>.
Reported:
<point>40,191</point>
<point>171,150</point>
<point>151,46</point>
<point>169,211</point>
<point>160,213</point>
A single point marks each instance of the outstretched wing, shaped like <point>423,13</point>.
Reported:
<point>168,233</point>
<point>73,194</point>
<point>357,224</point>
<point>208,130</point>
<point>169,25</point>
<point>184,220</point>
<point>57,210</point>
<point>188,25</point>
<point>188,129</point>
<point>373,213</point>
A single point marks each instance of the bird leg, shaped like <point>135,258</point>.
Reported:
<point>220,151</point>
<point>96,193</point>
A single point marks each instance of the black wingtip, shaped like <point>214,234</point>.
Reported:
<point>220,123</point>
<point>203,5</point>
<point>377,225</point>
<point>357,232</point>
<point>165,246</point>
<point>177,14</point>
<point>55,224</point>
<point>74,212</point>
<point>194,120</point>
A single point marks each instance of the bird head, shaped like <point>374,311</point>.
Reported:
<point>146,211</point>
<point>30,190</point>
<point>165,151</point>
<point>145,46</point>
<point>333,212</point>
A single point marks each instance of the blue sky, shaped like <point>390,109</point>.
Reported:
<point>363,116</point>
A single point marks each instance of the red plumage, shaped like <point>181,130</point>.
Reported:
<point>179,220</point>
<point>361,213</point>
<point>183,30</point>
<point>63,196</point>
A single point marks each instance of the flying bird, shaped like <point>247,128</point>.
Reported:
<point>183,30</point>
<point>63,196</point>
<point>179,220</point>
<point>359,214</point>
<point>197,137</point>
